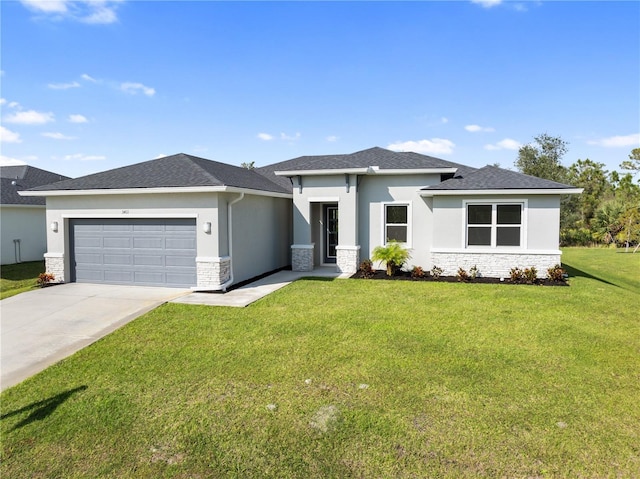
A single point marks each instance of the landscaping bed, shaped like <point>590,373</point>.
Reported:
<point>408,276</point>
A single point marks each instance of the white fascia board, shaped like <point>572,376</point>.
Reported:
<point>149,191</point>
<point>531,191</point>
<point>9,205</point>
<point>372,170</point>
<point>416,171</point>
<point>339,171</point>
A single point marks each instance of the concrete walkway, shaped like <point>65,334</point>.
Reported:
<point>43,326</point>
<point>246,295</point>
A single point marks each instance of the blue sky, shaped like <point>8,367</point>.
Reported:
<point>89,86</point>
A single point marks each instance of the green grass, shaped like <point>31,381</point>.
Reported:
<point>352,378</point>
<point>18,278</point>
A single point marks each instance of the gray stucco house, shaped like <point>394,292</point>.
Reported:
<point>187,221</point>
<point>23,235</point>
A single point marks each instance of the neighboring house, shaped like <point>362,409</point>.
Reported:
<point>186,221</point>
<point>23,235</point>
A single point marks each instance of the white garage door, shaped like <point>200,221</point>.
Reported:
<point>148,252</point>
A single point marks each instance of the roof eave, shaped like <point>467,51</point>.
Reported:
<point>494,192</point>
<point>162,190</point>
<point>371,170</point>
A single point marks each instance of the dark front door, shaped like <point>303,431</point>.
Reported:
<point>330,240</point>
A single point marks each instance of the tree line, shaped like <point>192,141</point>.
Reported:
<point>608,210</point>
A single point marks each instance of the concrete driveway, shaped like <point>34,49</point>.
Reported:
<point>41,327</point>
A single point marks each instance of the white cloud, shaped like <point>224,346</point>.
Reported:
<point>2,101</point>
<point>487,3</point>
<point>8,136</point>
<point>85,11</point>
<point>63,86</point>
<point>57,136</point>
<point>477,128</point>
<point>86,77</point>
<point>14,104</point>
<point>284,136</point>
<point>83,157</point>
<point>265,136</point>
<point>161,155</point>
<point>617,141</point>
<point>7,161</point>
<point>506,144</point>
<point>29,117</point>
<point>434,146</point>
<point>134,88</point>
<point>332,138</point>
<point>46,6</point>
<point>77,119</point>
<point>444,119</point>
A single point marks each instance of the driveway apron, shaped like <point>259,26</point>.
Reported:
<point>38,328</point>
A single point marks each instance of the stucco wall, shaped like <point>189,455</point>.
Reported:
<point>375,192</point>
<point>542,220</point>
<point>261,234</point>
<point>28,224</point>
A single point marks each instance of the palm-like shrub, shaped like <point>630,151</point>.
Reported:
<point>393,254</point>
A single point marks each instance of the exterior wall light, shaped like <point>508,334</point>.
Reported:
<point>54,226</point>
<point>206,227</point>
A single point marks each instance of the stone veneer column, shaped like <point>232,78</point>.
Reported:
<point>302,257</point>
<point>212,272</point>
<point>347,258</point>
<point>54,264</point>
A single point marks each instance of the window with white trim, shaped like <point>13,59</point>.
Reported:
<point>396,222</point>
<point>494,224</point>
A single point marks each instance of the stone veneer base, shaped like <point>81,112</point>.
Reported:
<point>212,273</point>
<point>302,257</point>
<point>54,264</point>
<point>493,265</point>
<point>347,258</point>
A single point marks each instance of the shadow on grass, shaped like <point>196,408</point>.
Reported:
<point>42,409</point>
<point>22,271</point>
<point>572,272</point>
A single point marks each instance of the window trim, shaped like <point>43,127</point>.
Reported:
<point>383,221</point>
<point>524,204</point>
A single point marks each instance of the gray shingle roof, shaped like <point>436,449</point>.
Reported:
<point>376,156</point>
<point>25,177</point>
<point>494,178</point>
<point>179,170</point>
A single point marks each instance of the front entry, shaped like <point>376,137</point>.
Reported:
<point>330,232</point>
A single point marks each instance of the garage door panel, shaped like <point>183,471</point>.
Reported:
<point>148,243</point>
<point>180,243</point>
<point>118,276</point>
<point>115,227</point>
<point>153,252</point>
<point>117,243</point>
<point>89,242</point>
<point>174,260</point>
<point>148,260</point>
<point>124,259</point>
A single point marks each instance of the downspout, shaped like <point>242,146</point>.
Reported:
<point>229,282</point>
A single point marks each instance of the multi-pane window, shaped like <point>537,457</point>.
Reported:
<point>396,223</point>
<point>494,224</point>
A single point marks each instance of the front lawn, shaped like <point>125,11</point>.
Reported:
<point>352,378</point>
<point>18,278</point>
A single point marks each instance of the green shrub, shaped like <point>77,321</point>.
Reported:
<point>556,274</point>
<point>516,275</point>
<point>436,272</point>
<point>462,275</point>
<point>393,254</point>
